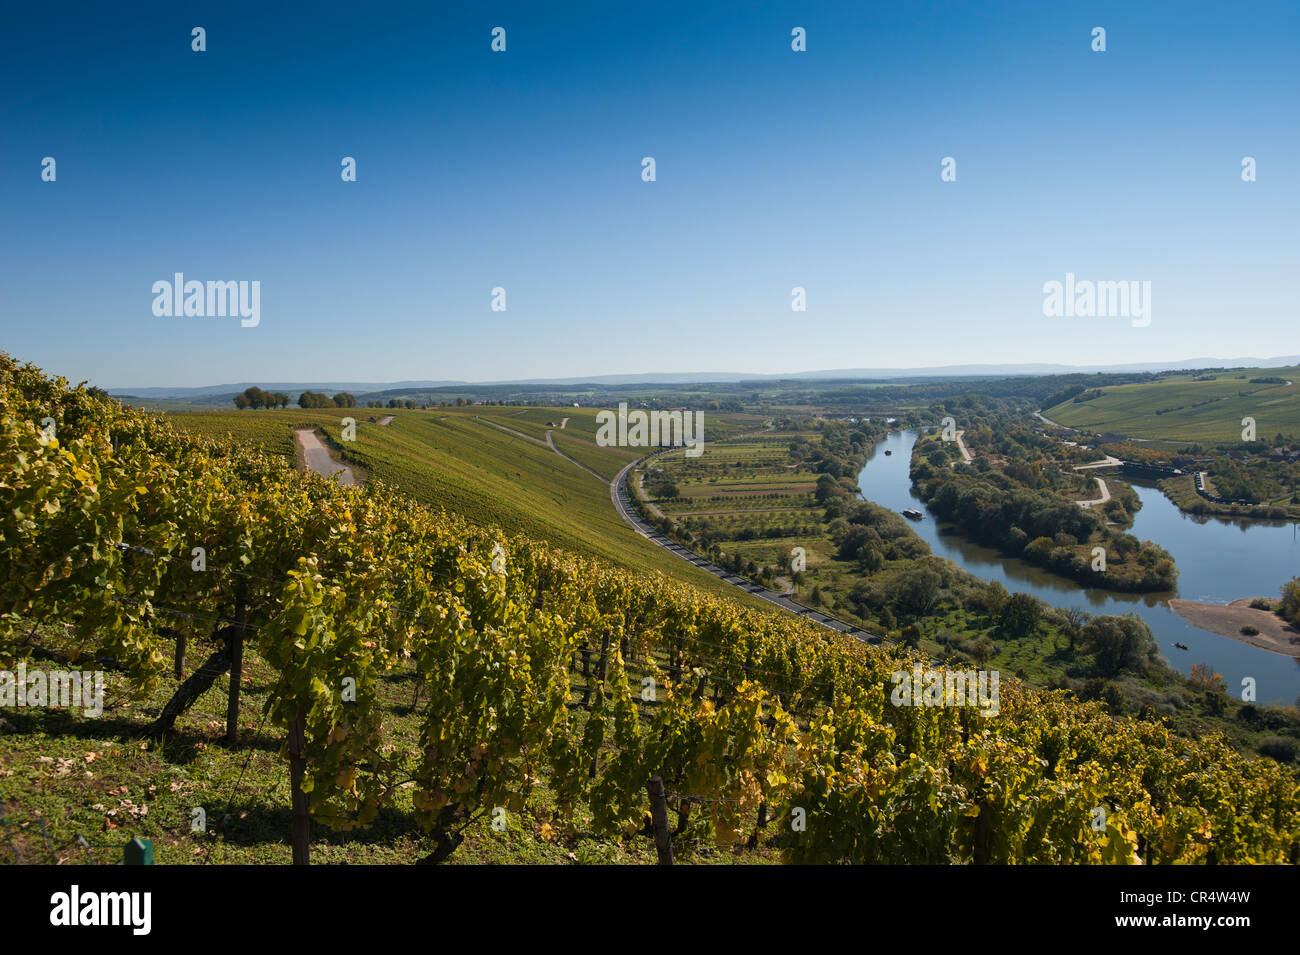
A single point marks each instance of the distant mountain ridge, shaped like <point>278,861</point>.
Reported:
<point>684,378</point>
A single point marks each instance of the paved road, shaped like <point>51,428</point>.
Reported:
<point>1105,495</point>
<point>1054,424</point>
<point>619,494</point>
<point>1110,461</point>
<point>319,459</point>
<point>965,451</point>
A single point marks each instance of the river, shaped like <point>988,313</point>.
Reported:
<point>1219,561</point>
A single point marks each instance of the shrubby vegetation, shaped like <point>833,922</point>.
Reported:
<point>1020,510</point>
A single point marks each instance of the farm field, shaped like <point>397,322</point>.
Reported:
<point>1179,408</point>
<point>742,495</point>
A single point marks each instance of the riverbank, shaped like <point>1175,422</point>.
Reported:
<point>1182,491</point>
<point>1274,633</point>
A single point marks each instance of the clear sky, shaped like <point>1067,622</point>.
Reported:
<point>522,169</point>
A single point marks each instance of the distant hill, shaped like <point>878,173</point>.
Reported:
<point>222,394</point>
<point>296,388</point>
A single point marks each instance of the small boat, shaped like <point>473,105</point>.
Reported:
<point>1180,646</point>
<point>888,452</point>
<point>912,514</point>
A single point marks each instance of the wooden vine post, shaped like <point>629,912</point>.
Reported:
<point>301,821</point>
<point>236,663</point>
<point>659,815</point>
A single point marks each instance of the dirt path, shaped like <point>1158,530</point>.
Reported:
<point>1274,633</point>
<point>551,444</point>
<point>517,434</point>
<point>1097,502</point>
<point>563,423</point>
<point>386,420</point>
<point>318,457</point>
<point>548,443</point>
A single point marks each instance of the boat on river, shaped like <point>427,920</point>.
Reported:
<point>912,514</point>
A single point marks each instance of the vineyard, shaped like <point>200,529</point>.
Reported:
<point>534,671</point>
<point>1183,408</point>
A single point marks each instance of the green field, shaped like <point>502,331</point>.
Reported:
<point>462,460</point>
<point>1179,408</point>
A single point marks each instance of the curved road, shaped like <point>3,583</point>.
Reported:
<point>1095,502</point>
<point>620,495</point>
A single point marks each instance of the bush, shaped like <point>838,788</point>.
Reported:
<point>1280,748</point>
<point>1250,630</point>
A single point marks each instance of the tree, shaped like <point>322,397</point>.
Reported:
<point>995,597</point>
<point>1203,676</point>
<point>344,400</point>
<point>256,397</point>
<point>982,650</point>
<point>1289,608</point>
<point>1073,621</point>
<point>1119,643</point>
<point>1020,616</point>
<point>663,489</point>
<point>1038,549</point>
<point>870,558</point>
<point>920,591</point>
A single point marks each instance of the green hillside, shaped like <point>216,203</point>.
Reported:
<point>1181,408</point>
<point>463,460</point>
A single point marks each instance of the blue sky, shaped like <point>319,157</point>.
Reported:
<point>522,169</point>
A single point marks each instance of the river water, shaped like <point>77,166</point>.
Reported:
<point>1218,560</point>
